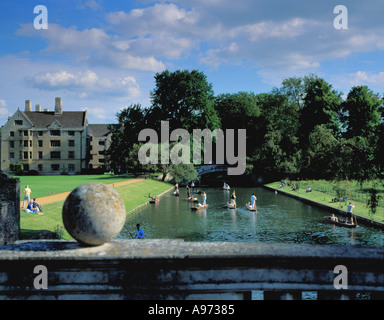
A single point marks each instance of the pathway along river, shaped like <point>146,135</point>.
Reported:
<point>279,219</point>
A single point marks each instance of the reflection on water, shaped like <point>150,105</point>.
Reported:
<point>279,219</point>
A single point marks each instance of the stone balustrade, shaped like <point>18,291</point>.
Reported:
<point>174,269</point>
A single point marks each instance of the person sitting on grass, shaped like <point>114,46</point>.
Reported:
<point>37,206</point>
<point>30,209</point>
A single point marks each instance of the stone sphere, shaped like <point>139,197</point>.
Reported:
<point>94,213</point>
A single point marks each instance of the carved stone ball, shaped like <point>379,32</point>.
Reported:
<point>94,213</point>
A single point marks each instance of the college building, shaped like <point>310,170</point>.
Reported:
<point>53,142</point>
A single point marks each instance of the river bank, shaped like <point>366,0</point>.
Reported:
<point>321,199</point>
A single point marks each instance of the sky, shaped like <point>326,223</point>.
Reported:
<point>103,55</point>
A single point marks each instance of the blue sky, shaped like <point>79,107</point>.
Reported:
<point>103,55</point>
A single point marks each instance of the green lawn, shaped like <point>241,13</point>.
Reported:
<point>48,185</point>
<point>134,195</point>
<point>324,191</point>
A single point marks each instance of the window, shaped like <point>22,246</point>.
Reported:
<point>40,167</point>
<point>40,155</point>
<point>25,133</point>
<point>30,155</point>
<point>18,122</point>
<point>11,155</point>
<point>11,133</point>
<point>55,143</point>
<point>71,167</point>
<point>30,143</point>
<point>40,143</point>
<point>25,155</point>
<point>55,133</point>
<point>26,143</point>
<point>11,144</point>
<point>55,167</point>
<point>40,133</point>
<point>71,133</point>
<point>71,143</point>
<point>101,143</point>
<point>101,153</point>
<point>71,154</point>
<point>55,155</point>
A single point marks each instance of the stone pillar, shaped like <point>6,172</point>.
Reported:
<point>9,209</point>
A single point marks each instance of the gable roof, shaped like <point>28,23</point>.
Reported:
<point>66,119</point>
<point>99,130</point>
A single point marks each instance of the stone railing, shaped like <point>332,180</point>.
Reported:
<point>174,269</point>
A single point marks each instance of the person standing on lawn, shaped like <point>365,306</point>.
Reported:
<point>27,196</point>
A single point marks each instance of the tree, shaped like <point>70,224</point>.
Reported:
<point>321,106</point>
<point>131,120</point>
<point>362,112</point>
<point>240,111</point>
<point>185,99</point>
<point>183,173</point>
<point>278,152</point>
<point>319,157</point>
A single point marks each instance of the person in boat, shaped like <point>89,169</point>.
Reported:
<point>139,233</point>
<point>204,199</point>
<point>253,201</point>
<point>350,211</point>
<point>176,187</point>
<point>233,199</point>
<point>188,193</point>
<point>333,218</point>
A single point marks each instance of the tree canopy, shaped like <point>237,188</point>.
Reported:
<point>303,129</point>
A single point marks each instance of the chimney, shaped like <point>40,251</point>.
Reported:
<point>58,106</point>
<point>38,108</point>
<point>28,106</point>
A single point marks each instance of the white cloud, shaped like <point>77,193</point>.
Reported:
<point>93,46</point>
<point>86,83</point>
<point>3,110</point>
<point>365,78</point>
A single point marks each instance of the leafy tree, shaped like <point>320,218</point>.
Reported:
<point>183,173</point>
<point>318,158</point>
<point>362,112</point>
<point>321,106</point>
<point>185,99</point>
<point>131,121</point>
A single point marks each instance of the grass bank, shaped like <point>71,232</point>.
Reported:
<point>134,195</point>
<point>48,185</point>
<point>324,191</point>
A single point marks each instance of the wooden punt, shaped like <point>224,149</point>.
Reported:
<point>339,222</point>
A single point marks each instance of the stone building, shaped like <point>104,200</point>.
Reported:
<point>98,144</point>
<point>51,142</point>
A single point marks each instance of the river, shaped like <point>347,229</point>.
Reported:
<point>279,219</point>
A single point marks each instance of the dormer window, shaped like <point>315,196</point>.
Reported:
<point>55,133</point>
